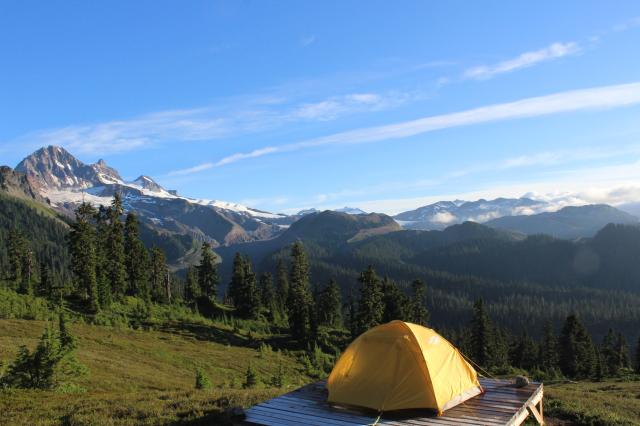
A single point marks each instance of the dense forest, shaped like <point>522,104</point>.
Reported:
<point>93,263</point>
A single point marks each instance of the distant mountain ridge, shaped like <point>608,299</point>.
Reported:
<point>445,213</point>
<point>568,222</point>
<point>65,181</point>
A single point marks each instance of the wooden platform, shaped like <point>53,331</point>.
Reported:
<point>501,404</point>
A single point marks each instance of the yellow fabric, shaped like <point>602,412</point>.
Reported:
<point>400,365</point>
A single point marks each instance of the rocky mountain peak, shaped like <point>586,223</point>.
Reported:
<point>147,183</point>
<point>54,167</point>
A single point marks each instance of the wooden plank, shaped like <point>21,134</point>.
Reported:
<point>288,418</point>
<point>332,413</point>
<point>261,419</point>
<point>479,412</point>
<point>523,413</point>
<point>307,417</point>
<point>500,404</point>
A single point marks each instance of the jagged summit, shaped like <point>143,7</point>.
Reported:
<point>65,181</point>
<point>55,167</point>
<point>147,183</point>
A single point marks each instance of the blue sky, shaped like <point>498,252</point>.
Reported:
<point>288,105</point>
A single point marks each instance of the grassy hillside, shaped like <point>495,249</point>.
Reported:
<point>146,377</point>
<point>612,402</point>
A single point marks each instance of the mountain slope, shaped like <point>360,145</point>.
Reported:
<point>66,182</point>
<point>568,222</point>
<point>18,185</point>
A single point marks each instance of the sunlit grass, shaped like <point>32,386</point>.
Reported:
<point>146,377</point>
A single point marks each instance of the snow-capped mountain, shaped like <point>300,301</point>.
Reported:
<point>54,167</point>
<point>445,213</point>
<point>350,210</point>
<point>66,181</point>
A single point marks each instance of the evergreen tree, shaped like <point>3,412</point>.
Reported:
<point>250,378</point>
<point>598,372</point>
<point>622,352</point>
<point>192,287</point>
<point>115,257</point>
<point>609,353</point>
<point>237,279</point>
<point>370,305</point>
<point>300,301</point>
<point>21,262</point>
<point>16,251</point>
<point>208,272</point>
<point>202,380</point>
<point>638,356</point>
<point>159,275</point>
<point>282,289</point>
<point>548,349</point>
<point>481,335</point>
<point>51,364</point>
<point>499,348</point>
<point>45,286</point>
<point>243,288</point>
<point>102,236</point>
<point>419,313</point>
<point>576,352</point>
<point>136,259</point>
<point>395,302</point>
<point>352,314</point>
<point>268,295</point>
<point>277,381</point>
<point>83,255</point>
<point>67,340</point>
<point>524,353</point>
<point>330,305</point>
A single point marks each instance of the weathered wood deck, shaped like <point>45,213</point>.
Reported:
<point>501,404</point>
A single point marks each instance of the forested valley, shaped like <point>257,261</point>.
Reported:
<point>512,304</point>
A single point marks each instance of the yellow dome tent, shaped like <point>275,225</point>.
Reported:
<point>400,365</point>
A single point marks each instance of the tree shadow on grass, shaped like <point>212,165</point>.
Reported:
<point>212,334</point>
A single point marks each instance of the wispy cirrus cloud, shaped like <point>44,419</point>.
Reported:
<point>524,60</point>
<point>541,161</point>
<point>308,40</point>
<point>232,118</point>
<point>576,100</point>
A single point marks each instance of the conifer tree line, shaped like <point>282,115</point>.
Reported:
<point>110,261</point>
<point>572,353</point>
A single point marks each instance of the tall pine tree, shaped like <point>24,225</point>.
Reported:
<point>638,356</point>
<point>481,335</point>
<point>237,278</point>
<point>419,313</point>
<point>282,287</point>
<point>243,288</point>
<point>115,258</point>
<point>136,259</point>
<point>370,305</point>
<point>208,272</point>
<point>330,305</point>
<point>300,301</point>
<point>192,287</point>
<point>396,304</point>
<point>159,276</point>
<point>576,352</point>
<point>268,295</point>
<point>548,349</point>
<point>82,246</point>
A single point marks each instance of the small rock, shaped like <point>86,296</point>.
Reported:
<point>521,381</point>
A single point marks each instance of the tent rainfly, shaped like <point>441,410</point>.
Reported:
<point>400,365</point>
